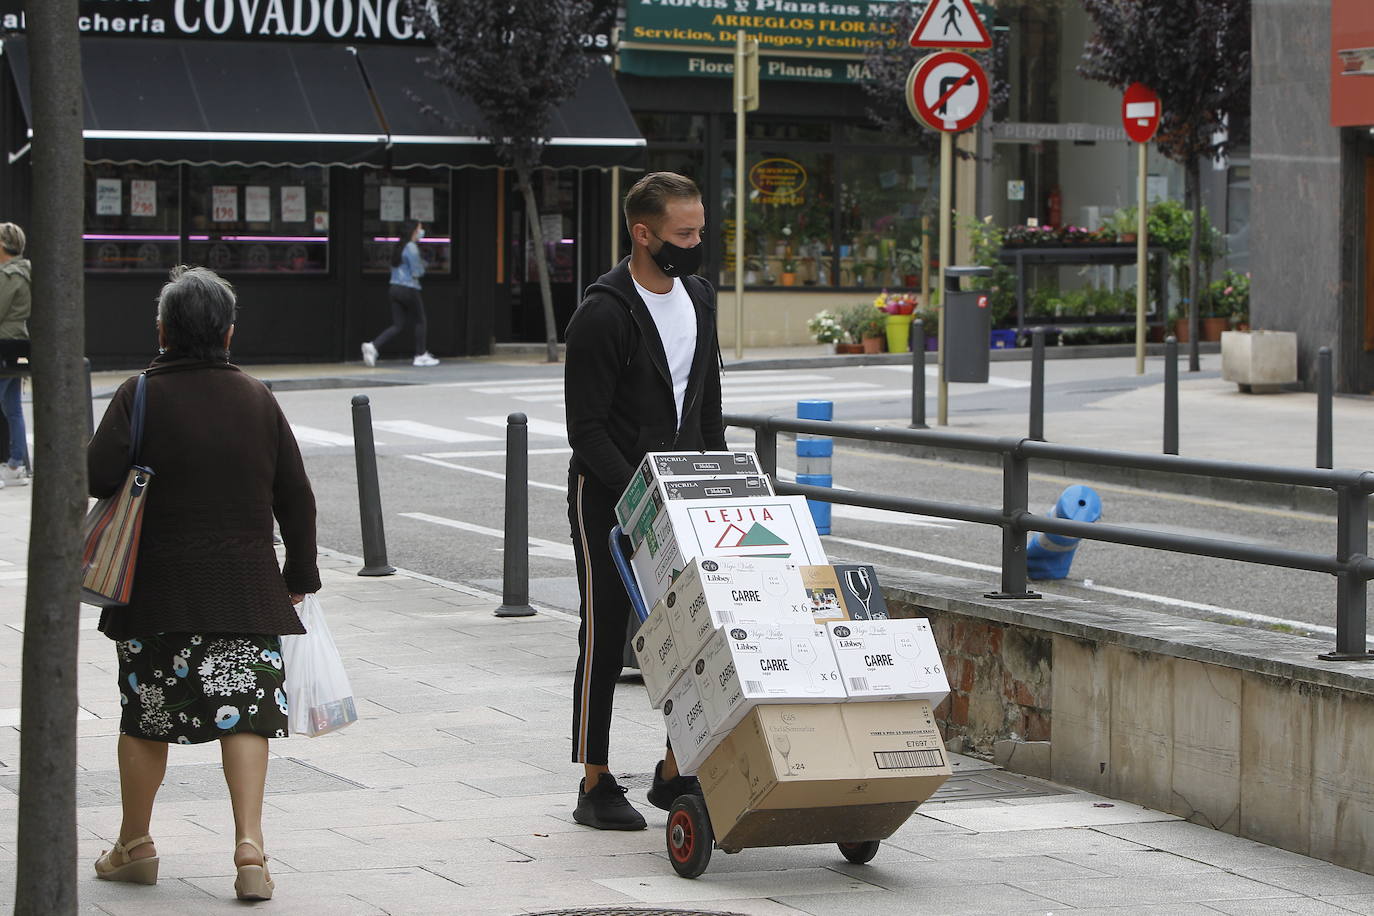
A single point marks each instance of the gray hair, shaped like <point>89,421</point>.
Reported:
<point>196,308</point>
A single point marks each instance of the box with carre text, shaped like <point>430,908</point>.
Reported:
<point>791,757</point>
<point>740,667</point>
<point>778,527</point>
<point>688,730</point>
<point>656,649</point>
<point>659,468</point>
<point>889,660</point>
<point>732,591</point>
<point>844,592</point>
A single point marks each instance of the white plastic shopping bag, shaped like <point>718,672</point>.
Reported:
<point>318,694</point>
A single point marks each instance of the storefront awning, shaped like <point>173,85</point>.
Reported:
<point>593,128</point>
<point>277,103</point>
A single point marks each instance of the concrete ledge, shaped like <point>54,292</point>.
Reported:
<point>1238,729</point>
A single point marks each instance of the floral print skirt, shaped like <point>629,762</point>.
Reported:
<point>189,688</point>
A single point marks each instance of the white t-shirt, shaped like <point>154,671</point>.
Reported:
<point>676,320</point>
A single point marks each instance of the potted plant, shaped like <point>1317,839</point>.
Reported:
<point>825,327</point>
<point>897,309</point>
<point>873,330</point>
<point>851,323</point>
<point>789,272</point>
<point>1124,223</point>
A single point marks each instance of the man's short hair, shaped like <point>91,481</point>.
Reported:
<point>12,239</point>
<point>650,195</point>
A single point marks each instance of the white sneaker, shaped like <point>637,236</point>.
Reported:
<point>369,353</point>
<point>15,477</point>
<point>425,359</point>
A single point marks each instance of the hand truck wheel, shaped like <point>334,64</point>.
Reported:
<point>859,853</point>
<point>690,838</point>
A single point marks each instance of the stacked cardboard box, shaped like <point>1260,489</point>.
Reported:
<point>767,662</point>
<point>664,476</point>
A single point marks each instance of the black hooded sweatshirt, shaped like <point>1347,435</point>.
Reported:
<point>618,390</point>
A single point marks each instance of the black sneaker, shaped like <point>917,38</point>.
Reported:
<point>605,807</point>
<point>665,791</point>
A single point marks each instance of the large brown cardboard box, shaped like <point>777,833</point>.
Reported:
<point>802,757</point>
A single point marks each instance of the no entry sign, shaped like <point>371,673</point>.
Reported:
<point>1140,111</point>
<point>948,91</point>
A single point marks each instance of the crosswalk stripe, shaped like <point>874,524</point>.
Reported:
<point>998,381</point>
<point>483,472</point>
<point>538,546</point>
<point>497,453</point>
<point>503,381</point>
<point>426,431</point>
<point>521,389</point>
<point>537,427</point>
<point>310,435</point>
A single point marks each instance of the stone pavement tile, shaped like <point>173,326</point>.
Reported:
<point>1012,869</point>
<point>957,847</point>
<point>552,873</point>
<point>183,895</point>
<point>980,900</point>
<point>1355,903</point>
<point>1247,856</point>
<point>360,812</point>
<point>1176,835</point>
<point>506,786</point>
<point>1316,880</point>
<point>1289,906</point>
<point>1172,909</point>
<point>670,889</point>
<point>588,842</point>
<point>996,818</point>
<point>439,801</point>
<point>747,906</point>
<point>1192,888</point>
<point>1134,864</point>
<point>826,855</point>
<point>436,842</point>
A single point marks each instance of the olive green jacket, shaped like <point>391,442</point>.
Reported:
<point>14,299</point>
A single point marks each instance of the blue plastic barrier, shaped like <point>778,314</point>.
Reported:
<point>813,459</point>
<point>1049,556</point>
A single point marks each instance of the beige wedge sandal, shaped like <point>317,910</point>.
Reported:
<point>118,865</point>
<point>253,881</point>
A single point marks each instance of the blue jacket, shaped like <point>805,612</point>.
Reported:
<point>412,267</point>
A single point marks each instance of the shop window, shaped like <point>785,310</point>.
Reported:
<point>389,199</point>
<point>672,128</point>
<point>879,240</point>
<point>133,218</point>
<point>789,219</point>
<point>242,219</point>
<point>791,130</point>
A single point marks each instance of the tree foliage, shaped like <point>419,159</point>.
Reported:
<point>1194,53</point>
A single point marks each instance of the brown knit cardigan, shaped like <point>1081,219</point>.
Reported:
<point>224,462</point>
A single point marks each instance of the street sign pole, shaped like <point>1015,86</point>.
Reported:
<point>946,186</point>
<point>746,87</point>
<point>1142,273</point>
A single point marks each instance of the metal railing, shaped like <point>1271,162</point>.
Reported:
<point>1350,563</point>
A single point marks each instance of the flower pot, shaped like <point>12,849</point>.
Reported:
<point>789,279</point>
<point>1126,237</point>
<point>898,333</point>
<point>873,344</point>
<point>1156,333</point>
<point>1181,330</point>
<point>932,340</point>
<point>1212,327</point>
<point>849,348</point>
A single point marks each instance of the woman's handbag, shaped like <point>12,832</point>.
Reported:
<point>113,526</point>
<point>318,694</point>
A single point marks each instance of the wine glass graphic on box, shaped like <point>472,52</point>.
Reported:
<point>860,583</point>
<point>784,746</point>
<point>805,654</point>
<point>909,647</point>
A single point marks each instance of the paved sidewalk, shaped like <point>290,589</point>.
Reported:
<point>453,795</point>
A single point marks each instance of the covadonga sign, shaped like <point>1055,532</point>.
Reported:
<point>302,20</point>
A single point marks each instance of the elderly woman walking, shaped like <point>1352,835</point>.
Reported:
<point>199,643</point>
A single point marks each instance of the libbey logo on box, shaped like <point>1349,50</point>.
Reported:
<point>887,659</point>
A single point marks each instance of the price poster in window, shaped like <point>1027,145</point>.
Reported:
<point>257,203</point>
<point>107,196</point>
<point>142,197</point>
<point>393,203</point>
<point>293,203</point>
<point>226,203</point>
<point>422,204</point>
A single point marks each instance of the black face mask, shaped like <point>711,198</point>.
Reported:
<point>676,261</point>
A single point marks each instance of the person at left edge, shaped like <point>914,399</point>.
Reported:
<point>641,376</point>
<point>14,313</point>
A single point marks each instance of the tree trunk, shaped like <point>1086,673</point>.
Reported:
<point>1194,195</point>
<point>541,261</point>
<point>46,868</point>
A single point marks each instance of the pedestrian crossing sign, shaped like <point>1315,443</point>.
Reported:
<point>951,24</point>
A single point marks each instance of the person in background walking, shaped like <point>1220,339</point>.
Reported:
<point>15,303</point>
<point>407,267</point>
<point>199,643</point>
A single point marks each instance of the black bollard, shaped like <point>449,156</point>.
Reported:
<point>369,492</point>
<point>515,582</point>
<point>1171,395</point>
<point>1325,384</point>
<point>918,374</point>
<point>1037,391</point>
